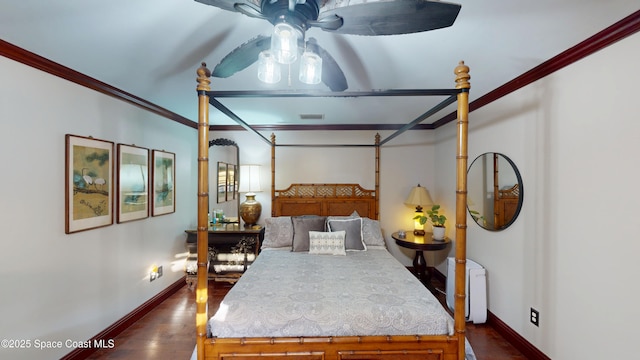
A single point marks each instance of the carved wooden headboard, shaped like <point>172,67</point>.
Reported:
<point>505,205</point>
<point>324,200</point>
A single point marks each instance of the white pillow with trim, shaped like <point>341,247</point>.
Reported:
<point>327,243</point>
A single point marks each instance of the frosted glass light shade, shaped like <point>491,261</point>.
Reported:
<point>310,68</point>
<point>284,43</point>
<point>268,68</point>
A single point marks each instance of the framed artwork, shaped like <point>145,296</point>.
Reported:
<point>88,183</point>
<point>133,183</point>
<point>222,182</point>
<point>227,182</point>
<point>233,183</point>
<point>163,179</point>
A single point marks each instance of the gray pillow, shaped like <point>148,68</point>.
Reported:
<point>278,232</point>
<point>371,231</point>
<point>353,228</point>
<point>301,227</point>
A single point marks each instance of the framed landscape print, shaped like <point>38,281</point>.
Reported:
<point>227,182</point>
<point>232,183</point>
<point>163,179</point>
<point>222,182</point>
<point>88,183</point>
<point>133,183</point>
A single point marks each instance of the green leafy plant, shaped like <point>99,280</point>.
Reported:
<point>477,217</point>
<point>433,216</point>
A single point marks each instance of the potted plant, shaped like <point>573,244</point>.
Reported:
<point>437,220</point>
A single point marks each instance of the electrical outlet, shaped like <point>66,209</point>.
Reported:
<point>534,317</point>
<point>155,272</point>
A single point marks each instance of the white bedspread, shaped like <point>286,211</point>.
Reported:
<point>297,294</point>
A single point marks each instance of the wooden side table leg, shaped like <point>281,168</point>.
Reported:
<point>191,281</point>
<point>421,271</point>
<point>420,265</point>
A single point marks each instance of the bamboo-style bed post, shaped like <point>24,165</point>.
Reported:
<point>377,176</point>
<point>203,205</point>
<point>462,83</point>
<point>273,172</point>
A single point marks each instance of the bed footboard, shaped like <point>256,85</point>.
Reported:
<point>423,347</point>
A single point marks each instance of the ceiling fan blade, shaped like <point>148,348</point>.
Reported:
<point>250,10</point>
<point>246,7</point>
<point>332,75</point>
<point>222,4</point>
<point>242,56</point>
<point>392,17</point>
<point>328,23</point>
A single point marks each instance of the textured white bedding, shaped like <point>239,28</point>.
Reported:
<point>288,293</point>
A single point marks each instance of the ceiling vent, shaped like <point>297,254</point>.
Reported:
<point>311,116</point>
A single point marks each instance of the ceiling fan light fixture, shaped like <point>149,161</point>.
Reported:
<point>310,68</point>
<point>284,42</point>
<point>268,68</point>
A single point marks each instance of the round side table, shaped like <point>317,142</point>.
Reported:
<point>421,243</point>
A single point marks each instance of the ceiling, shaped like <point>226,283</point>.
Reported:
<point>151,49</point>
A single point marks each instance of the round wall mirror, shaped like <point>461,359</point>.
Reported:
<point>494,191</point>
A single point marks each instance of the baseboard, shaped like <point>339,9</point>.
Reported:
<point>510,335</point>
<point>437,275</point>
<point>526,348</point>
<point>120,325</point>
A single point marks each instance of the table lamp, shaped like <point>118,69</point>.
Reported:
<point>250,209</point>
<point>418,197</point>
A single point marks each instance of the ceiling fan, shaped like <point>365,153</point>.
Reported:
<point>291,18</point>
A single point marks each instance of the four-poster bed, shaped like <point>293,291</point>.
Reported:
<point>262,342</point>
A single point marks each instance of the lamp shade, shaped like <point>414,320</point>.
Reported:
<point>419,197</point>
<point>249,179</point>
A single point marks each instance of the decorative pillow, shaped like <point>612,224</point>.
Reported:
<point>278,232</point>
<point>301,227</point>
<point>353,229</point>
<point>371,232</point>
<point>327,243</point>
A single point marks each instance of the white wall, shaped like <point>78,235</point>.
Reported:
<point>572,253</point>
<point>70,287</point>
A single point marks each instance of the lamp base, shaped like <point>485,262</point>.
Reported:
<point>250,210</point>
<point>418,232</point>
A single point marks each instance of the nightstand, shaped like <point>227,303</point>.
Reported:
<point>419,244</point>
<point>232,249</point>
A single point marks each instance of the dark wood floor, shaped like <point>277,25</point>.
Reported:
<point>168,332</point>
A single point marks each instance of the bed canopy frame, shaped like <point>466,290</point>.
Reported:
<point>443,347</point>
